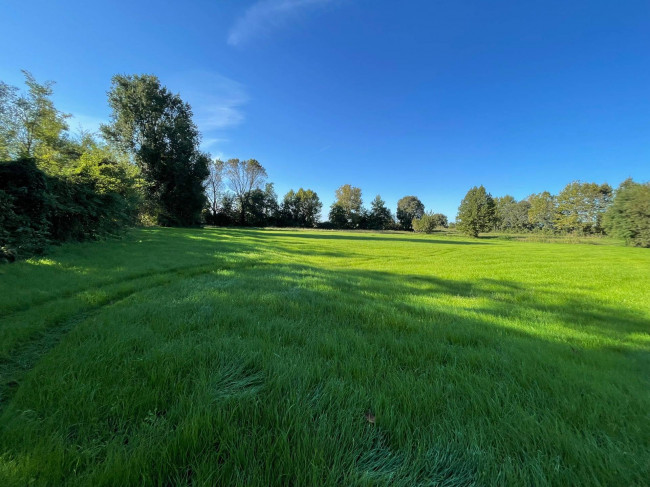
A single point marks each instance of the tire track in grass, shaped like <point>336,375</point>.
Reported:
<point>23,356</point>
<point>10,311</point>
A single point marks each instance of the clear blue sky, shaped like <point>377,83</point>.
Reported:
<point>398,97</point>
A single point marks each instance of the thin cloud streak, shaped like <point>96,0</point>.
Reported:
<point>217,101</point>
<point>217,104</point>
<point>266,16</point>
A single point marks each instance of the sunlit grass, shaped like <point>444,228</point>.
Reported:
<point>251,357</point>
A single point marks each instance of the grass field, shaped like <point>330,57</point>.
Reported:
<point>269,357</point>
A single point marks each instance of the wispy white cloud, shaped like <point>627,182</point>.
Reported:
<point>265,16</point>
<point>217,103</point>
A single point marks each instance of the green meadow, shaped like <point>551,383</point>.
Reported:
<point>279,357</point>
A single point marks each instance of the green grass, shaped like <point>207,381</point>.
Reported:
<point>251,357</point>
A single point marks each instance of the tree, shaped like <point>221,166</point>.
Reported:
<point>243,178</point>
<point>347,207</point>
<point>30,125</point>
<point>338,217</point>
<point>262,207</point>
<point>379,217</point>
<point>476,212</point>
<point>300,208</point>
<point>541,213</point>
<point>214,185</point>
<point>409,207</point>
<point>629,215</point>
<point>310,206</point>
<point>428,222</point>
<point>580,207</point>
<point>156,127</point>
<point>510,214</point>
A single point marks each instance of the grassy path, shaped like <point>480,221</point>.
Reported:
<point>252,357</point>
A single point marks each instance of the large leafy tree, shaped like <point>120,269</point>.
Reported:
<point>476,212</point>
<point>156,127</point>
<point>541,213</point>
<point>243,178</point>
<point>30,124</point>
<point>310,206</point>
<point>510,214</point>
<point>262,207</point>
<point>347,209</point>
<point>580,207</point>
<point>629,215</point>
<point>301,208</point>
<point>409,207</point>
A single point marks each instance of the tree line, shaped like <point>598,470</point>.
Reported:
<point>146,167</point>
<point>580,208</point>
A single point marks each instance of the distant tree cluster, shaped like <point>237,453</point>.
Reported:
<point>348,212</point>
<point>580,208</point>
<point>238,194</point>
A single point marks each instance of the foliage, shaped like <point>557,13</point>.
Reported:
<point>541,213</point>
<point>510,214</point>
<point>300,208</point>
<point>428,222</point>
<point>156,127</point>
<point>30,125</point>
<point>476,212</point>
<point>380,216</point>
<point>346,211</point>
<point>408,208</point>
<point>580,207</point>
<point>629,215</point>
<point>236,356</point>
<point>25,203</point>
<point>94,196</point>
<point>243,178</point>
<point>262,207</point>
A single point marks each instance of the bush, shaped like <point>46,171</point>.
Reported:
<point>24,205</point>
<point>429,222</point>
<point>92,200</point>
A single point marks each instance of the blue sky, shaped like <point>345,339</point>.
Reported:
<point>396,97</point>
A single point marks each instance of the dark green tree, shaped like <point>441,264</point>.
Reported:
<point>476,212</point>
<point>380,216</point>
<point>409,207</point>
<point>262,207</point>
<point>338,216</point>
<point>629,215</point>
<point>156,127</point>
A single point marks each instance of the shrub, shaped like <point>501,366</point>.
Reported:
<point>428,222</point>
<point>24,205</point>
